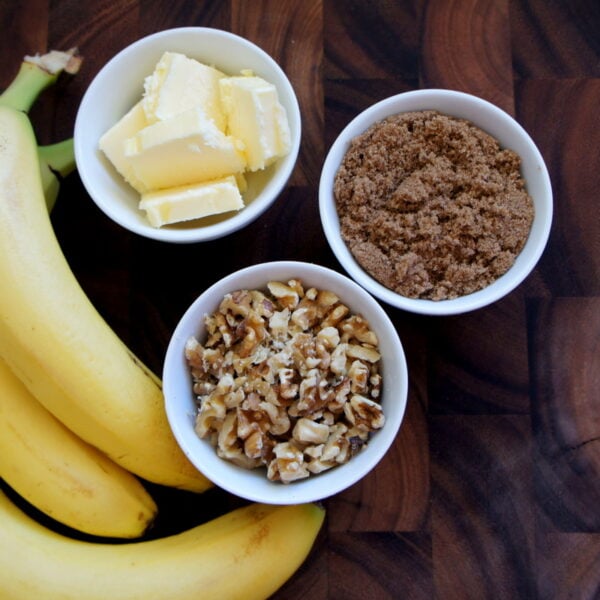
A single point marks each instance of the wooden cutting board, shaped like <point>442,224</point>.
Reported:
<point>492,488</point>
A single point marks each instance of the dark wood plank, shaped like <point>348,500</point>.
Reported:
<point>466,47</point>
<point>555,39</point>
<point>24,32</point>
<point>565,413</point>
<point>379,566</point>
<point>156,16</point>
<point>568,566</point>
<point>371,40</point>
<point>474,371</point>
<point>571,264</point>
<point>482,517</point>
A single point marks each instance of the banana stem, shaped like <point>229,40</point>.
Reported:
<point>35,74</point>
<point>26,87</point>
<point>60,157</point>
<point>56,160</point>
<point>50,185</point>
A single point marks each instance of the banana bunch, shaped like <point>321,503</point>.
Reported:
<point>40,458</point>
<point>82,419</point>
<point>53,338</point>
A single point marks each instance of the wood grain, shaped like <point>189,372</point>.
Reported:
<point>487,381</point>
<point>555,39</point>
<point>566,378</point>
<point>573,254</point>
<point>456,32</point>
<point>491,489</point>
<point>482,523</point>
<point>366,40</point>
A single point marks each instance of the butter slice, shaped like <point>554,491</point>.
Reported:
<point>112,143</point>
<point>192,202</point>
<point>256,117</point>
<point>179,83</point>
<point>187,148</point>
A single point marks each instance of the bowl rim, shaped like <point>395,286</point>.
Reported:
<point>285,165</point>
<point>505,284</point>
<point>309,489</point>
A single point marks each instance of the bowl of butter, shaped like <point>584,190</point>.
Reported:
<point>187,135</point>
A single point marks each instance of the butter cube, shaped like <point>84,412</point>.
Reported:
<point>179,83</point>
<point>186,148</point>
<point>191,202</point>
<point>256,117</point>
<point>112,143</point>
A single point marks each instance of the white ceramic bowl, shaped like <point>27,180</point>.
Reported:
<point>494,121</point>
<point>119,85</point>
<point>253,484</point>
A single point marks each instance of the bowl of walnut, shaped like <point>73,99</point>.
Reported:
<point>436,201</point>
<point>285,382</point>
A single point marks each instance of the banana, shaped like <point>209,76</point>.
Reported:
<point>56,342</point>
<point>63,476</point>
<point>246,554</point>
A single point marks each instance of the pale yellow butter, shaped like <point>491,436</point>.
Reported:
<point>256,117</point>
<point>186,145</point>
<point>179,83</point>
<point>112,143</point>
<point>192,202</point>
<point>187,148</point>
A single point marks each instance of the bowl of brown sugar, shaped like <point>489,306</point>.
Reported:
<point>436,201</point>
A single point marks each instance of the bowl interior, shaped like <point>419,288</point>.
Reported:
<point>253,484</point>
<point>494,121</point>
<point>119,85</point>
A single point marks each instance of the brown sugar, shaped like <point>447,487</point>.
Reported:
<point>431,206</point>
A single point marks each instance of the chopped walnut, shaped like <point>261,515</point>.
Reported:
<point>287,379</point>
<point>362,352</point>
<point>355,327</point>
<point>329,337</point>
<point>288,464</point>
<point>359,377</point>
<point>285,295</point>
<point>307,431</point>
<point>365,413</point>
